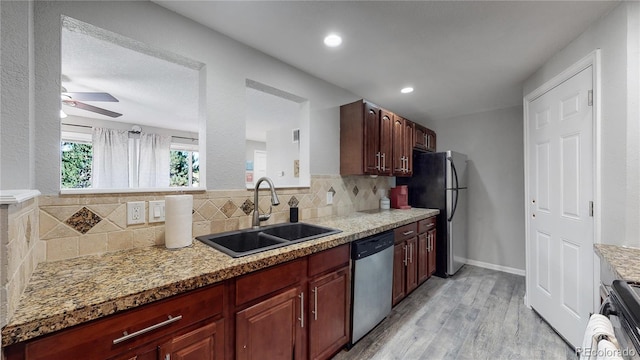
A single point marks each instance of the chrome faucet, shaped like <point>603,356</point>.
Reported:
<point>256,209</point>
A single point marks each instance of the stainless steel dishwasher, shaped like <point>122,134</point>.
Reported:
<point>372,283</point>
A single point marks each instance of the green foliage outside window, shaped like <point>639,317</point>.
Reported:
<point>179,168</point>
<point>76,165</point>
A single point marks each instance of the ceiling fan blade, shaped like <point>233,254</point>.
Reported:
<point>91,96</point>
<point>95,109</point>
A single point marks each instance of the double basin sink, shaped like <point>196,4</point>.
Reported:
<point>251,241</point>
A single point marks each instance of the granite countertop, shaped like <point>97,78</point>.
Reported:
<point>624,261</point>
<point>70,292</point>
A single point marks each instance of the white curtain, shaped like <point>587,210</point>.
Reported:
<point>110,167</point>
<point>154,161</point>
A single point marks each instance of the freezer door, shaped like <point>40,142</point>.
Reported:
<point>457,234</point>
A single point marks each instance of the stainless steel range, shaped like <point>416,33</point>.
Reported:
<point>622,307</point>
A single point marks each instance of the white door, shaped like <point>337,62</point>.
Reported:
<point>561,188</point>
<point>259,165</point>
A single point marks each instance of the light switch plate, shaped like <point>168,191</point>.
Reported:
<point>156,211</point>
<point>136,213</point>
<point>329,198</point>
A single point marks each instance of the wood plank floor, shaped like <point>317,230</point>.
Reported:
<point>476,314</point>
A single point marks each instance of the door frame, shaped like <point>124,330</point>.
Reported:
<point>593,60</point>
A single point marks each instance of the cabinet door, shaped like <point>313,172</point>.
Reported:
<point>328,313</point>
<point>409,130</point>
<point>204,343</point>
<point>399,272</point>
<point>423,257</point>
<point>420,137</point>
<point>273,328</point>
<point>431,140</point>
<point>412,264</point>
<point>432,253</point>
<point>386,140</point>
<point>372,160</point>
<point>398,147</point>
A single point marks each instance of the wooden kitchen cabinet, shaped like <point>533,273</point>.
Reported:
<point>329,313</point>
<point>403,132</point>
<point>134,334</point>
<point>299,309</point>
<point>426,249</point>
<point>204,343</point>
<point>272,328</point>
<point>365,139</point>
<point>405,261</point>
<point>424,138</point>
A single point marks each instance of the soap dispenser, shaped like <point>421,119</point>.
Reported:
<point>385,203</point>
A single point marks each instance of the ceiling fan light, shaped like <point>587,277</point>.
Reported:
<point>62,114</point>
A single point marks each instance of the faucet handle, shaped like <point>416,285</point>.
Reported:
<point>264,217</point>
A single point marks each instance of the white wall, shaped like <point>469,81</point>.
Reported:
<point>228,65</point>
<point>16,95</point>
<point>493,143</point>
<point>281,152</point>
<point>617,36</point>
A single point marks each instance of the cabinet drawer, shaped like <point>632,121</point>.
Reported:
<point>329,259</point>
<point>405,232</point>
<point>426,224</point>
<point>106,337</point>
<point>264,282</point>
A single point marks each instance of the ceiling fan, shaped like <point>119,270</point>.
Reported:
<point>74,99</point>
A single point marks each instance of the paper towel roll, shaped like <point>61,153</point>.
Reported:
<point>178,221</point>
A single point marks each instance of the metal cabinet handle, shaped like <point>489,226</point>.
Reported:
<point>407,232</point>
<point>315,303</point>
<point>429,243</point>
<point>384,162</point>
<point>301,318</point>
<point>126,336</point>
<point>405,255</point>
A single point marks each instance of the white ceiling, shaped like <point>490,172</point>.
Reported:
<point>460,56</point>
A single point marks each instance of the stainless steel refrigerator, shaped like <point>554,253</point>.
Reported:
<point>439,181</point>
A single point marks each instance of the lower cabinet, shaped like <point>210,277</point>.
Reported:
<point>204,343</point>
<point>296,310</point>
<point>272,329</point>
<point>426,249</point>
<point>329,313</point>
<point>405,261</point>
<point>179,324</point>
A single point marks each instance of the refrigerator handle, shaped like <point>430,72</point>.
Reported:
<point>455,175</point>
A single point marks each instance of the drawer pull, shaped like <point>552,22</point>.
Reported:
<point>407,232</point>
<point>126,336</point>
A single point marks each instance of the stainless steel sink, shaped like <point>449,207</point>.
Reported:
<point>246,242</point>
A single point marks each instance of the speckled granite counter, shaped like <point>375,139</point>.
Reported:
<point>67,293</point>
<point>624,261</point>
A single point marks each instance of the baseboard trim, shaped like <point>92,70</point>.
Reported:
<point>506,269</point>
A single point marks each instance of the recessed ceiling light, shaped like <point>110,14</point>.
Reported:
<point>406,90</point>
<point>332,40</point>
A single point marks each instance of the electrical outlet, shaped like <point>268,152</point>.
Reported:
<point>156,211</point>
<point>136,213</point>
<point>329,198</point>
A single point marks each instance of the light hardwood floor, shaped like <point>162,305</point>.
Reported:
<point>476,314</point>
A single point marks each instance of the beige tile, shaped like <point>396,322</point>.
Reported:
<point>159,235</point>
<point>119,240</point>
<point>201,228</point>
<point>144,237</point>
<point>104,226</point>
<point>218,226</point>
<point>60,231</point>
<point>231,224</point>
<point>57,200</point>
<point>92,244</point>
<point>119,216</point>
<point>207,210</point>
<point>62,248</point>
<point>61,213</point>
<point>103,210</point>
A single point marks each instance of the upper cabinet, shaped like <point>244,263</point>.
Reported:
<point>365,139</point>
<point>424,139</point>
<point>374,141</point>
<point>403,130</point>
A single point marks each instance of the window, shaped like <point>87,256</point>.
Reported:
<point>77,157</point>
